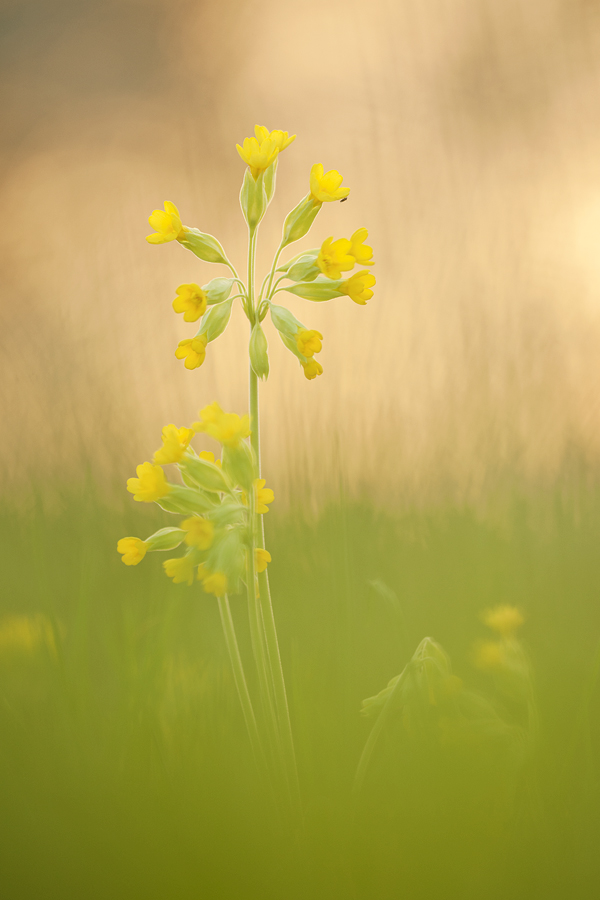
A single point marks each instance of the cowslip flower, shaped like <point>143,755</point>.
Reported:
<point>213,582</point>
<point>263,495</point>
<point>312,368</point>
<point>358,287</point>
<point>262,558</point>
<point>258,154</point>
<point>280,138</point>
<point>200,532</point>
<point>133,550</point>
<point>227,428</point>
<point>503,619</point>
<point>193,351</point>
<point>180,569</point>
<point>167,225</point>
<point>362,253</point>
<point>191,300</point>
<point>335,257</point>
<point>175,443</point>
<point>150,484</point>
<point>309,342</point>
<point>325,186</point>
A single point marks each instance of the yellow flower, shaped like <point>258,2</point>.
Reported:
<point>200,532</point>
<point>150,484</point>
<point>258,153</point>
<point>309,342</point>
<point>175,443</point>
<point>133,550</point>
<point>26,634</point>
<point>358,287</point>
<point>489,655</point>
<point>280,138</point>
<point>362,253</point>
<point>213,582</point>
<point>180,569</point>
<point>167,225</point>
<point>503,619</point>
<point>335,257</point>
<point>312,368</point>
<point>191,301</point>
<point>227,428</point>
<point>263,495</point>
<point>326,186</point>
<point>209,457</point>
<point>193,350</point>
<point>262,558</point>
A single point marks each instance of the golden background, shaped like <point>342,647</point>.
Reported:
<point>469,132</point>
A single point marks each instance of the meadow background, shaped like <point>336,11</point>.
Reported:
<point>446,461</point>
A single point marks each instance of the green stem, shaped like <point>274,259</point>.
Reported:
<point>273,267</point>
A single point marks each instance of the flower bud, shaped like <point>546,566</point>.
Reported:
<point>215,320</point>
<point>286,266</point>
<point>284,321</point>
<point>316,290</point>
<point>206,474</point>
<point>218,290</point>
<point>253,199</point>
<point>259,358</point>
<point>298,222</point>
<point>204,246</point>
<point>305,269</point>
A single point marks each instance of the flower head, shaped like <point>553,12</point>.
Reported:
<point>200,532</point>
<point>150,484</point>
<point>259,153</point>
<point>213,582</point>
<point>133,550</point>
<point>263,495</point>
<point>335,257</point>
<point>279,138</point>
<point>180,569</point>
<point>358,287</point>
<point>191,301</point>
<point>325,186</point>
<point>362,253</point>
<point>262,558</point>
<point>312,368</point>
<point>167,225</point>
<point>503,619</point>
<point>193,351</point>
<point>175,443</point>
<point>309,342</point>
<point>227,428</point>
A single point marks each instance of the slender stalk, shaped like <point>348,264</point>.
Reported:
<point>240,681</point>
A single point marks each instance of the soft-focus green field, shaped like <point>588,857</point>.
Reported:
<point>125,767</point>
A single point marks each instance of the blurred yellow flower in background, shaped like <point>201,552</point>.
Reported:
<point>180,569</point>
<point>262,559</point>
<point>191,300</point>
<point>167,225</point>
<point>503,619</point>
<point>175,443</point>
<point>193,351</point>
<point>325,186</point>
<point>150,484</point>
<point>200,532</point>
<point>213,582</point>
<point>133,550</point>
<point>263,495</point>
<point>358,287</point>
<point>335,257</point>
<point>489,655</point>
<point>26,635</point>
<point>227,428</point>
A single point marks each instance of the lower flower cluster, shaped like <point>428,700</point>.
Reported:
<point>218,498</point>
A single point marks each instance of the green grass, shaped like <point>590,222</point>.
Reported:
<point>125,768</point>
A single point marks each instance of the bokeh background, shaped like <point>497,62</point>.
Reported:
<point>446,461</point>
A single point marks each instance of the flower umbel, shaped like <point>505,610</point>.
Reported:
<point>227,428</point>
<point>167,225</point>
<point>193,351</point>
<point>150,484</point>
<point>200,532</point>
<point>263,495</point>
<point>191,301</point>
<point>133,550</point>
<point>175,443</point>
<point>325,186</point>
<point>358,287</point>
<point>335,257</point>
<point>309,342</point>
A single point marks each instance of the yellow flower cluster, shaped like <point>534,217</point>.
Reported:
<point>227,428</point>
<point>342,255</point>
<point>261,151</point>
<point>175,443</point>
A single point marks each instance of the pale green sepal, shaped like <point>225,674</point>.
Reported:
<point>283,320</point>
<point>300,219</point>
<point>165,539</point>
<point>228,513</point>
<point>205,474</point>
<point>185,500</point>
<point>238,463</point>
<point>215,320</point>
<point>287,265</point>
<point>318,291</point>
<point>218,290</point>
<point>204,246</point>
<point>291,344</point>
<point>259,358</point>
<point>270,178</point>
<point>304,270</point>
<point>228,555</point>
<point>253,199</point>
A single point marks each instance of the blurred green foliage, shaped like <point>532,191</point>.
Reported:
<point>125,766</point>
